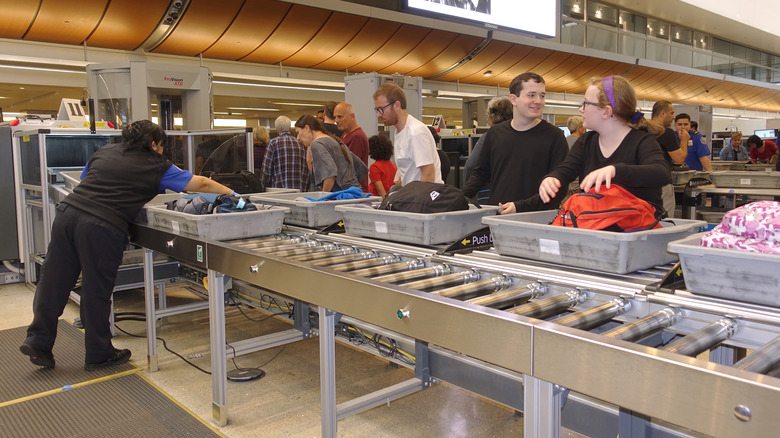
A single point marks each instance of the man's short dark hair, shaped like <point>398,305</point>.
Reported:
<point>661,105</point>
<point>329,107</point>
<point>682,116</point>
<point>517,83</point>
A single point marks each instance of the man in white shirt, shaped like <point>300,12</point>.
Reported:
<point>414,147</point>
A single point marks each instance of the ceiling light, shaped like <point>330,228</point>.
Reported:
<point>289,87</point>
<point>297,104</point>
<point>488,73</point>
<point>57,70</point>
<point>598,13</point>
<point>575,7</point>
<point>254,109</point>
<point>677,35</point>
<point>443,94</point>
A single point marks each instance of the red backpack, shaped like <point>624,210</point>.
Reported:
<point>612,209</point>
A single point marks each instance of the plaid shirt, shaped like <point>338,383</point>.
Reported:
<point>284,165</point>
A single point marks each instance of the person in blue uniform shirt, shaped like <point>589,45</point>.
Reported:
<point>698,152</point>
<point>89,236</point>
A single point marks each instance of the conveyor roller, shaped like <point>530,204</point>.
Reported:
<point>551,306</point>
<point>702,340</point>
<point>596,316</point>
<point>477,287</point>
<point>501,296</point>
<point>365,265</point>
<point>762,360</point>
<point>355,256</point>
<point>412,271</point>
<point>327,251</point>
<point>468,276</point>
<point>634,331</point>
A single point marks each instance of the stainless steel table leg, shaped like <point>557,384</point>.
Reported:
<point>151,318</point>
<point>216,291</point>
<point>542,403</point>
<point>328,372</point>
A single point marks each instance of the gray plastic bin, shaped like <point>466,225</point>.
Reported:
<point>72,178</point>
<point>417,228</point>
<point>729,273</point>
<point>225,226</point>
<point>529,235</point>
<point>746,178</point>
<point>308,213</point>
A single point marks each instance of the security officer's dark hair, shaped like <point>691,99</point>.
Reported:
<point>141,134</point>
<point>682,116</point>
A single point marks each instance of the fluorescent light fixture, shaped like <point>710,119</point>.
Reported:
<point>177,121</point>
<point>253,109</point>
<point>231,123</point>
<point>227,113</point>
<point>297,104</point>
<point>450,98</point>
<point>288,87</point>
<point>460,94</point>
<point>57,70</point>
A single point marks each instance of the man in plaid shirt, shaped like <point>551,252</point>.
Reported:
<point>284,165</point>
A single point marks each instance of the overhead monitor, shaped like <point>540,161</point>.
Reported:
<point>539,17</point>
<point>766,133</point>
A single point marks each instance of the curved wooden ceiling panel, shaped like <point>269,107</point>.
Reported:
<point>421,57</point>
<point>561,73</point>
<point>17,17</point>
<point>68,22</point>
<point>499,67</point>
<point>395,48</point>
<point>296,30</point>
<point>274,31</point>
<point>478,65</point>
<point>199,27</point>
<point>336,33</point>
<point>527,63</point>
<point>255,22</point>
<point>126,25</point>
<point>458,49</point>
<point>371,37</point>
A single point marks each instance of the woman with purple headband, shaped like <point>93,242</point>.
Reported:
<point>613,151</point>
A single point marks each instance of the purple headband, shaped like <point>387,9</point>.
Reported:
<point>608,90</point>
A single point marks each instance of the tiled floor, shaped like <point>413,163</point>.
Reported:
<point>286,402</point>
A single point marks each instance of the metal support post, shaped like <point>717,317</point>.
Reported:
<point>151,319</point>
<point>328,372</point>
<point>301,318</point>
<point>633,425</point>
<point>542,402</point>
<point>216,291</point>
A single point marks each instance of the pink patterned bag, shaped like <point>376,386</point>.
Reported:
<point>752,227</point>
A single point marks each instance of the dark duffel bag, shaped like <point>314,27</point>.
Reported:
<point>425,197</point>
<point>241,181</point>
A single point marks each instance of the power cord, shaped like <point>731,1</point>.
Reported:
<point>165,345</point>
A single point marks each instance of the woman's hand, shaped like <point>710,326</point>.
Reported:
<point>598,177</point>
<point>507,208</point>
<point>548,189</point>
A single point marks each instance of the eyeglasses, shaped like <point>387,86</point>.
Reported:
<point>381,109</point>
<point>586,103</point>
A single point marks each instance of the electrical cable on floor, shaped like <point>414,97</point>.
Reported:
<point>165,345</point>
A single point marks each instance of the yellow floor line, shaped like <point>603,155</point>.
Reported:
<point>194,415</point>
<point>75,385</point>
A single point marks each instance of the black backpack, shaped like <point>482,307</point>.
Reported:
<point>241,181</point>
<point>425,197</point>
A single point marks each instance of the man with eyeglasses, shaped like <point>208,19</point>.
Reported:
<point>518,153</point>
<point>414,147</point>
